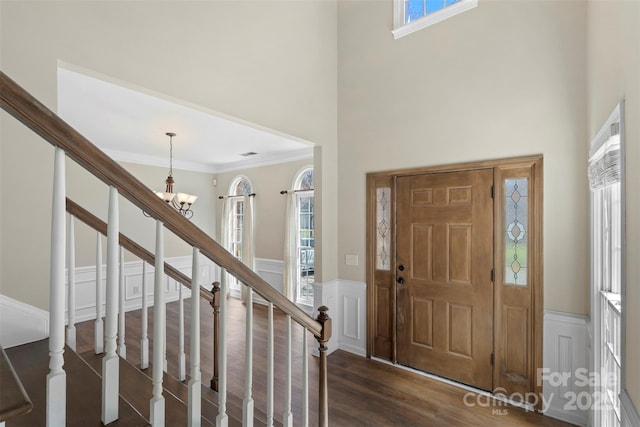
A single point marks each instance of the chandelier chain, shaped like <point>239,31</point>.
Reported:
<point>171,155</point>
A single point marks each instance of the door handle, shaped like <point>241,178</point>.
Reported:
<point>401,267</point>
<point>400,280</point>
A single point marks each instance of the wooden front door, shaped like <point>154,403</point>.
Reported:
<point>444,260</point>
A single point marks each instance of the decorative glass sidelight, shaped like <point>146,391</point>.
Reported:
<point>383,228</point>
<point>516,242</point>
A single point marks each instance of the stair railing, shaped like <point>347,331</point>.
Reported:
<point>76,211</point>
<point>68,142</point>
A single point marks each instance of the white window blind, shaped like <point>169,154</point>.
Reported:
<point>604,163</point>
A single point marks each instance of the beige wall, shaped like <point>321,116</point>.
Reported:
<point>90,193</point>
<point>269,204</point>
<point>613,29</point>
<point>236,57</point>
<point>504,79</point>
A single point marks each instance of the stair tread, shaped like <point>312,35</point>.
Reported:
<point>14,400</point>
<point>84,389</point>
<point>210,398</point>
<point>136,388</point>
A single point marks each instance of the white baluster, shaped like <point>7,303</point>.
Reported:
<point>270,366</point>
<point>122,348</point>
<point>111,362</point>
<point>287,417</point>
<point>164,328</point>
<point>182,363</point>
<point>57,377</point>
<point>144,341</point>
<point>222,420</point>
<point>157,400</point>
<point>195,383</point>
<point>71,291</point>
<point>305,379</point>
<point>98,333</point>
<point>247,403</point>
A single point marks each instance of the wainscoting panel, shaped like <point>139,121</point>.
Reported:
<point>327,294</point>
<point>352,335</point>
<point>566,365</point>
<point>272,271</point>
<point>86,285</point>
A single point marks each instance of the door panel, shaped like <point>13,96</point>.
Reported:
<point>444,244</point>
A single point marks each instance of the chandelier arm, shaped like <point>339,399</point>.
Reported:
<point>175,204</point>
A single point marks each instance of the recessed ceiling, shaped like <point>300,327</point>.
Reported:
<point>130,125</point>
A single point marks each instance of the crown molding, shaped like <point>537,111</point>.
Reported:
<point>253,162</point>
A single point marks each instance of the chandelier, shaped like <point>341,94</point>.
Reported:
<point>181,201</point>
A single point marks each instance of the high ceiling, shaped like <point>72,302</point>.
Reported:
<point>130,125</point>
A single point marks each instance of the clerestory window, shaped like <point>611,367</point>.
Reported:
<point>413,15</point>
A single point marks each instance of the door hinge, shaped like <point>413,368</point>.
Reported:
<point>493,275</point>
<point>493,358</point>
<point>492,192</point>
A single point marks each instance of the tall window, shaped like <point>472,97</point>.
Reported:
<point>240,187</point>
<point>606,180</point>
<point>306,236</point>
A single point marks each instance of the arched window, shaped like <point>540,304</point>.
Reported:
<point>240,187</point>
<point>305,206</point>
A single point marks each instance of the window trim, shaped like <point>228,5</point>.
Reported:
<point>297,183</point>
<point>234,284</point>
<point>400,29</point>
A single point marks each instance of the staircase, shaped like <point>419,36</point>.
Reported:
<point>101,387</point>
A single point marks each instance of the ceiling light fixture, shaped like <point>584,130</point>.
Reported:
<point>182,201</point>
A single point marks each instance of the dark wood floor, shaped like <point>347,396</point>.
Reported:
<point>362,392</point>
<point>83,405</point>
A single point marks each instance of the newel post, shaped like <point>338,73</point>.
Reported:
<point>323,404</point>
<point>215,303</point>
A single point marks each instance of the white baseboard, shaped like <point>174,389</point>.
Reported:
<point>21,323</point>
<point>630,416</point>
<point>566,342</point>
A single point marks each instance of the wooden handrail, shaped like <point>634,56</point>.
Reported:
<point>14,398</point>
<point>37,117</point>
<point>97,224</point>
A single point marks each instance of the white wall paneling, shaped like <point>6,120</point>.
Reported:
<point>21,323</point>
<point>86,284</point>
<point>327,294</point>
<point>271,270</point>
<point>352,297</point>
<point>566,364</point>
